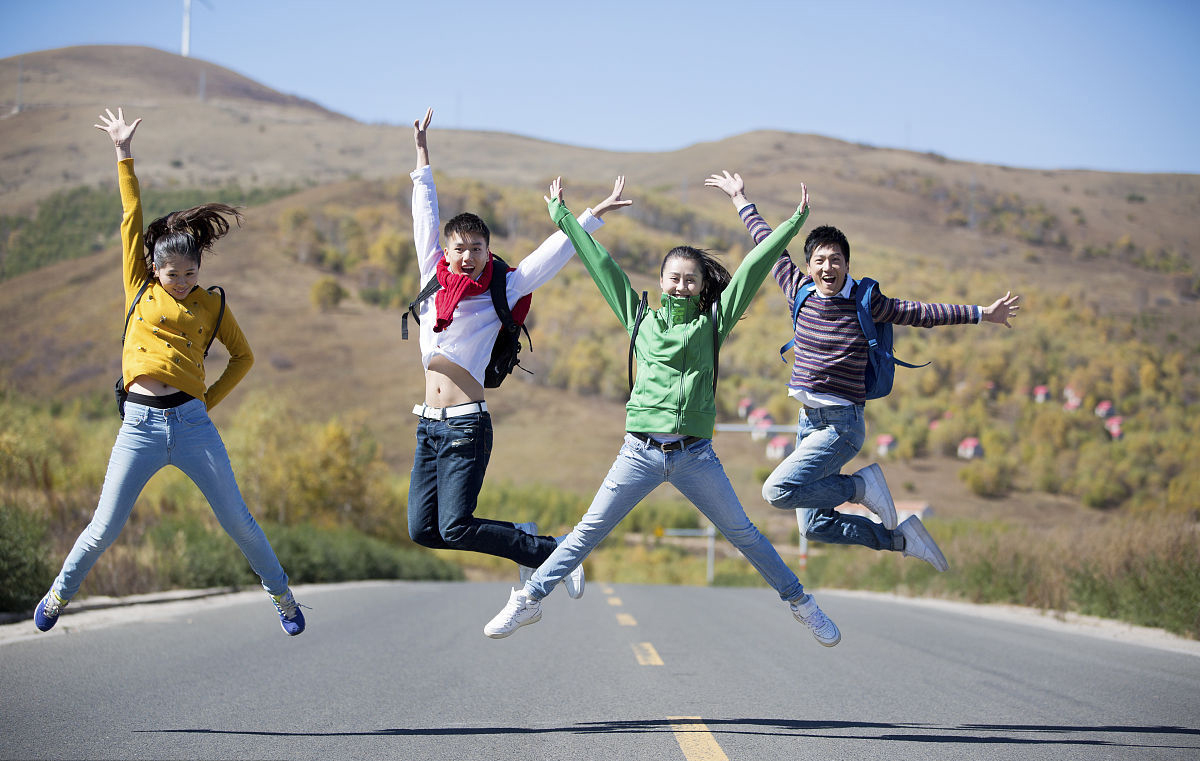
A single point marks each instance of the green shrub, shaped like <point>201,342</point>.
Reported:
<point>24,574</point>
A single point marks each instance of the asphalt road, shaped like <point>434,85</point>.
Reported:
<point>402,671</point>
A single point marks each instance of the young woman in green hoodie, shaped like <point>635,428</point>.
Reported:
<point>671,412</point>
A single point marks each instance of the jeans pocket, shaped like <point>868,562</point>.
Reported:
<point>135,415</point>
<point>194,415</point>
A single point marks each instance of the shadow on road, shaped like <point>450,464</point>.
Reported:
<point>969,734</point>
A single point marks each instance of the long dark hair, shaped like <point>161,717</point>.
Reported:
<point>188,233</point>
<point>716,277</point>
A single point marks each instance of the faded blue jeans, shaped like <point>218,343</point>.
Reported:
<point>697,473</point>
<point>810,478</point>
<point>149,440</point>
<point>448,468</point>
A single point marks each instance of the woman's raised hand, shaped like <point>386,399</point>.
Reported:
<point>556,191</point>
<point>115,126</point>
<point>614,199</point>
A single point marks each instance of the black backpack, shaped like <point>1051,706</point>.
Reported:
<point>714,313</point>
<point>508,341</point>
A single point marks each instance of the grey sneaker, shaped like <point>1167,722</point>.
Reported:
<point>519,610</point>
<point>818,623</point>
<point>877,498</point>
<point>919,544</point>
<point>529,527</point>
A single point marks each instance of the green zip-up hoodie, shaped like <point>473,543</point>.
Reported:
<point>673,392</point>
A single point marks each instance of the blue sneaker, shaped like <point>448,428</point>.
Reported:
<point>45,616</point>
<point>290,616</point>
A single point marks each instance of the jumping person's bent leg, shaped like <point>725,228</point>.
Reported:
<point>199,452</point>
<point>635,473</point>
<point>698,474</point>
<point>464,448</point>
<point>140,451</point>
<point>810,478</point>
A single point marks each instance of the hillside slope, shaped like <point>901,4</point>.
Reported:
<point>1097,237</point>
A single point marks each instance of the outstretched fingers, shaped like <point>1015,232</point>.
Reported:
<point>556,191</point>
<point>1003,309</point>
<point>731,184</point>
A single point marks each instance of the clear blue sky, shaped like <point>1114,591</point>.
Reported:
<point>1100,84</point>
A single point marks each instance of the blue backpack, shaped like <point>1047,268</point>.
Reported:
<point>881,363</point>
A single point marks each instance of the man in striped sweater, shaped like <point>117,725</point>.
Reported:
<point>829,380</point>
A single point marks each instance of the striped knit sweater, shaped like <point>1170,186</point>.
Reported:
<point>830,349</point>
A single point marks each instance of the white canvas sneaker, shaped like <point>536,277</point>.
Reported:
<point>529,527</point>
<point>877,497</point>
<point>519,610</point>
<point>818,623</point>
<point>574,582</point>
<point>919,544</point>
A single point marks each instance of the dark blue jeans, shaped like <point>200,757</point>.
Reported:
<point>448,467</point>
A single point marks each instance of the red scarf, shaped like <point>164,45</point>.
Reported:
<point>456,287</point>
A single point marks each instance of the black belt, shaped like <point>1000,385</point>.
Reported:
<point>670,446</point>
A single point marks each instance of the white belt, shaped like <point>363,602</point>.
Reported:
<point>457,410</point>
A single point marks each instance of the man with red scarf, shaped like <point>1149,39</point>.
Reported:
<point>458,329</point>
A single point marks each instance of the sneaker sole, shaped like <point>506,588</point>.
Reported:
<point>888,518</point>
<point>575,585</point>
<point>938,561</point>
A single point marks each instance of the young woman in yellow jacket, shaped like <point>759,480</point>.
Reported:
<point>165,419</point>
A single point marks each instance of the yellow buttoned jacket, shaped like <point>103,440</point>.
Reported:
<point>167,336</point>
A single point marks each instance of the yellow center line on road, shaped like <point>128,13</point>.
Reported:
<point>614,601</point>
<point>694,739</point>
<point>646,654</point>
<point>624,619</point>
<point>607,590</point>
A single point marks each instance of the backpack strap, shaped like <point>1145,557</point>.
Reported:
<point>715,312</point>
<point>129,314</point>
<point>430,288</point>
<point>637,323</point>
<point>802,294</point>
<point>866,291</point>
<point>220,315</point>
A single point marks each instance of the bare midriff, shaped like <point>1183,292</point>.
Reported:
<point>448,384</point>
<point>144,384</point>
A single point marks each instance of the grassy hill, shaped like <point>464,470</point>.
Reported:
<point>1117,247</point>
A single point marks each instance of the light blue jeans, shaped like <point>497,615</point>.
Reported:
<point>149,440</point>
<point>810,479</point>
<point>697,473</point>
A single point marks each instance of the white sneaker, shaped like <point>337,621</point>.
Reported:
<point>574,582</point>
<point>876,497</point>
<point>818,623</point>
<point>519,611</point>
<point>529,527</point>
<point>919,544</point>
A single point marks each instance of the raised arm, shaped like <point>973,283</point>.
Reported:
<point>424,202</point>
<point>609,277</point>
<point>786,274</point>
<point>134,271</point>
<point>548,258</point>
<point>421,138</point>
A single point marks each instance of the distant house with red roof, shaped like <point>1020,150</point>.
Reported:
<point>885,444</point>
<point>970,448</point>
<point>779,447</point>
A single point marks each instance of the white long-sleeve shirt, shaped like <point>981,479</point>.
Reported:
<point>468,341</point>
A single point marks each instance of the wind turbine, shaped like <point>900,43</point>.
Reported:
<point>187,26</point>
